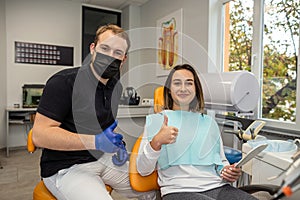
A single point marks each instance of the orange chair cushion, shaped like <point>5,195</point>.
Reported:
<point>140,183</point>
<point>158,99</point>
<point>30,146</point>
<point>109,189</point>
<point>42,193</point>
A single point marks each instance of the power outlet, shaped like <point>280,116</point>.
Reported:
<point>147,102</point>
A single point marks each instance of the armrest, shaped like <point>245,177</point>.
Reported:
<point>138,182</point>
<point>30,146</point>
<point>271,189</point>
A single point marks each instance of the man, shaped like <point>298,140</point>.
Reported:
<point>75,121</point>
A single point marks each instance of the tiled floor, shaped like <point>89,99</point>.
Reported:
<point>20,174</point>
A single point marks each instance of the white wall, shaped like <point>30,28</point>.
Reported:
<point>2,72</point>
<point>195,40</point>
<point>48,22</point>
<point>56,22</point>
<point>130,20</point>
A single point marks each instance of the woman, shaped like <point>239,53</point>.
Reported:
<point>185,145</point>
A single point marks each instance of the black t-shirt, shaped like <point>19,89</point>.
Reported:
<point>82,104</point>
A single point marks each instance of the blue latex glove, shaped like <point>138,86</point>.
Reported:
<point>108,141</point>
<point>121,157</point>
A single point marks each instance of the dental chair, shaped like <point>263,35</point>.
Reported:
<point>148,183</point>
<point>40,191</point>
<point>290,185</point>
<point>140,183</point>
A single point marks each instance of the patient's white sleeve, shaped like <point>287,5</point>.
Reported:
<point>147,157</point>
<point>222,153</point>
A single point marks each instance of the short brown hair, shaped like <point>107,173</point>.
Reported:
<point>116,30</point>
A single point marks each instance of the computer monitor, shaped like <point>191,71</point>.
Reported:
<point>32,94</point>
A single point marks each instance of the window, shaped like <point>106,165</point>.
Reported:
<point>262,36</point>
<point>92,18</point>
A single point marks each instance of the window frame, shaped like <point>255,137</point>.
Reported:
<point>257,65</point>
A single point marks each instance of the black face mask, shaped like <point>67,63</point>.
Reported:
<point>106,66</point>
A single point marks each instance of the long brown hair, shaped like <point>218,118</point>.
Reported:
<point>197,104</point>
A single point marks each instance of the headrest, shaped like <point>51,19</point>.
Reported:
<point>158,99</point>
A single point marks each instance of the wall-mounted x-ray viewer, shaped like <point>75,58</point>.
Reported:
<point>230,91</point>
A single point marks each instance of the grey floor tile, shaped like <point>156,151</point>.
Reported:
<point>21,173</point>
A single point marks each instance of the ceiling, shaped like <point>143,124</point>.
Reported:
<point>115,4</point>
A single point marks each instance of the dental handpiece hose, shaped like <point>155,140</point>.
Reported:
<point>292,177</point>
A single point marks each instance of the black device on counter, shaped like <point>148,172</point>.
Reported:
<point>32,94</point>
<point>130,97</point>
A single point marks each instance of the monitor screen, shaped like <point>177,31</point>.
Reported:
<point>32,95</point>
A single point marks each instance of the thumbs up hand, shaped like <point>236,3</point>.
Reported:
<point>166,135</point>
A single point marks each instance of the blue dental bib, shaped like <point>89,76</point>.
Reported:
<point>197,143</point>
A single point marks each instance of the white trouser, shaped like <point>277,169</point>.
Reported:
<point>87,181</point>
